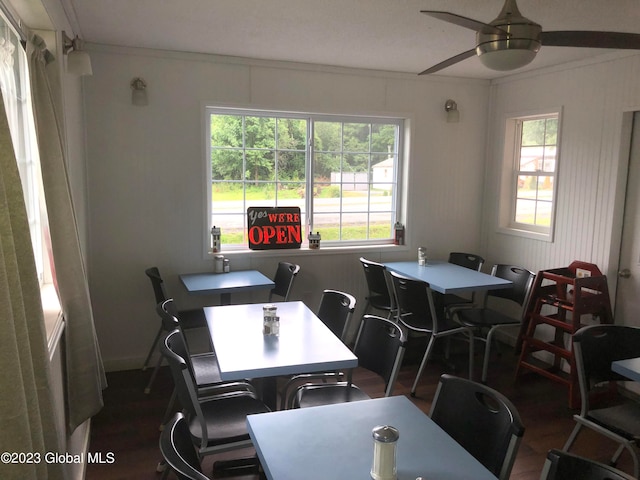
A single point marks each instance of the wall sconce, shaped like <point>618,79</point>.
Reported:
<point>453,115</point>
<point>139,92</point>
<point>78,61</point>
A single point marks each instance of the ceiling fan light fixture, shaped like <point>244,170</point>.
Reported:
<point>504,60</point>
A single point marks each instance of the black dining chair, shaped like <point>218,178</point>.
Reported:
<point>379,293</point>
<point>217,423</point>
<point>203,366</point>
<point>618,417</point>
<point>189,319</point>
<point>561,465</point>
<point>178,450</point>
<point>487,319</point>
<point>482,420</point>
<point>418,312</point>
<point>380,347</point>
<point>283,280</point>
<point>466,260</point>
<point>336,310</point>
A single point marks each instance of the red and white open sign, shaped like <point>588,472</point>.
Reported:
<point>274,227</point>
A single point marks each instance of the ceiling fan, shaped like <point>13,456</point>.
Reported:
<point>511,41</point>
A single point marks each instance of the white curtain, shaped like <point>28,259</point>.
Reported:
<point>26,401</point>
<point>84,369</point>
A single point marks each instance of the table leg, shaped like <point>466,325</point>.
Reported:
<point>268,390</point>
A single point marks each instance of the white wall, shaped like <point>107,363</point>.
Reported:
<point>592,167</point>
<point>145,175</point>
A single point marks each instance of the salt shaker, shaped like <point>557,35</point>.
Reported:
<point>385,440</point>
<point>275,325</point>
<point>422,256</point>
<point>218,263</point>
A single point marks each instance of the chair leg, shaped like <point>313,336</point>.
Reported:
<point>169,410</point>
<point>636,463</point>
<point>471,354</point>
<point>616,456</point>
<point>423,364</point>
<point>154,345</point>
<point>487,352</point>
<point>147,389</point>
<point>572,437</point>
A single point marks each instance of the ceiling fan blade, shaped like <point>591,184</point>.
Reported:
<point>591,39</point>
<point>461,21</point>
<point>449,62</point>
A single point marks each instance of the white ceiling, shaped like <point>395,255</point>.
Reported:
<point>387,35</point>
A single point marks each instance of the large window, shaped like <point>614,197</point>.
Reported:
<point>14,83</point>
<point>342,172</point>
<point>531,154</point>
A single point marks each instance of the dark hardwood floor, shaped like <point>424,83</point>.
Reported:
<point>128,424</point>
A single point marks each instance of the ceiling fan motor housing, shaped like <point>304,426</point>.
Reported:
<point>513,45</point>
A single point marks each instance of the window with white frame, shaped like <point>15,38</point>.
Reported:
<point>529,183</point>
<point>16,94</point>
<point>341,171</point>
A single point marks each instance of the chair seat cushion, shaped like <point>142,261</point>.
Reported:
<point>622,419</point>
<point>226,419</point>
<point>315,395</point>
<point>481,317</point>
<point>380,302</point>
<point>194,318</point>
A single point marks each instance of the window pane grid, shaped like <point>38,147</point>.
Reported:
<point>535,171</point>
<point>350,168</point>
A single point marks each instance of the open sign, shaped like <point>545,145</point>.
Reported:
<point>274,227</point>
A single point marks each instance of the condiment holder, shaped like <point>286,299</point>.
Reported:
<point>270,320</point>
<point>385,440</point>
<point>422,256</point>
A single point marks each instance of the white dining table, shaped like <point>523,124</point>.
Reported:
<point>445,277</point>
<point>305,344</point>
<point>334,442</point>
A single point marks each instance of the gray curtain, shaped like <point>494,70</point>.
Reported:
<point>26,401</point>
<point>84,369</point>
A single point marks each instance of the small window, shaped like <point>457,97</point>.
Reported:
<point>529,181</point>
<point>342,172</point>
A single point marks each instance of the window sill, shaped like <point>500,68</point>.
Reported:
<point>544,237</point>
<point>330,250</point>
<point>53,318</point>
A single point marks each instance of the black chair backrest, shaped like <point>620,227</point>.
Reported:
<point>480,419</point>
<point>283,280</point>
<point>175,351</point>
<point>467,260</point>
<point>596,346</point>
<point>168,314</point>
<point>335,311</point>
<point>380,346</point>
<point>522,281</point>
<point>416,305</point>
<point>564,466</point>
<point>157,283</point>
<point>178,450</point>
<point>374,274</point>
